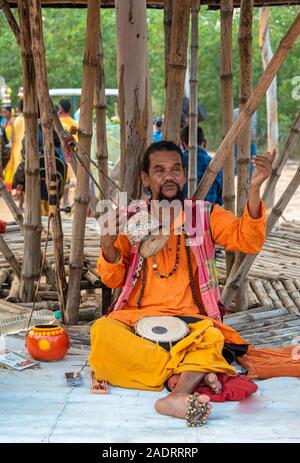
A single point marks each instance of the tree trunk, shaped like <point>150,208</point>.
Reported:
<point>271,98</point>
<point>193,116</point>
<point>236,281</point>
<point>176,69</point>
<point>226,78</point>
<point>32,216</point>
<point>250,107</point>
<point>101,139</point>
<point>38,50</point>
<point>168,8</point>
<point>244,145</point>
<point>82,195</point>
<point>134,91</point>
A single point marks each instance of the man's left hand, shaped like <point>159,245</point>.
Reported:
<point>262,168</point>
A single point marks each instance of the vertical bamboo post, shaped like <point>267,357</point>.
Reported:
<point>168,8</point>
<point>100,108</point>
<point>227,101</point>
<point>134,90</point>
<point>193,115</point>
<point>244,145</point>
<point>32,217</point>
<point>176,69</point>
<point>243,119</point>
<point>38,50</point>
<point>82,195</point>
<point>271,97</point>
<point>18,216</point>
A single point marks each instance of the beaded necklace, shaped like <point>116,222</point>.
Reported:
<point>154,263</point>
<point>191,275</point>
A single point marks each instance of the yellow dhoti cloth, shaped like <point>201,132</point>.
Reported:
<point>127,360</point>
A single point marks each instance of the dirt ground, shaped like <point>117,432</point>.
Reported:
<point>292,211</point>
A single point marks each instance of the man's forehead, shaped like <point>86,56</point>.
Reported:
<point>164,158</point>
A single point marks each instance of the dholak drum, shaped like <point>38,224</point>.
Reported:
<point>145,233</point>
<point>165,331</point>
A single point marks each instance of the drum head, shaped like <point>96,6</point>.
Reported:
<point>162,329</point>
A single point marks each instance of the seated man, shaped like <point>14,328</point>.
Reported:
<point>188,289</point>
<point>203,159</point>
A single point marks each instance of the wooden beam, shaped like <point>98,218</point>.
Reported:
<point>211,4</point>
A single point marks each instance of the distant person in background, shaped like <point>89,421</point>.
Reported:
<point>203,159</point>
<point>61,170</point>
<point>6,115</point>
<point>17,134</point>
<point>66,119</point>
<point>157,129</point>
<point>253,146</point>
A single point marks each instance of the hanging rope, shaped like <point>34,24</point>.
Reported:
<point>72,149</point>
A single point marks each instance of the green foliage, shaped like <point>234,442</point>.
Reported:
<point>64,31</point>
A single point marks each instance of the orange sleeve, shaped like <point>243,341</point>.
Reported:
<point>114,275</point>
<point>242,234</point>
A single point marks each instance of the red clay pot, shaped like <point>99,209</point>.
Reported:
<point>47,343</point>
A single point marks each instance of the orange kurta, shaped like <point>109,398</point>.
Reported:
<point>173,296</point>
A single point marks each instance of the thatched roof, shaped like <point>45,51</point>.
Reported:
<point>155,3</point>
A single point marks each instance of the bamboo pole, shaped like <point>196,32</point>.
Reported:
<point>100,108</point>
<point>271,97</point>
<point>244,143</point>
<point>32,217</point>
<point>134,91</point>
<point>82,196</point>
<point>38,50</point>
<point>13,295</point>
<point>193,115</point>
<point>168,8</point>
<point>176,69</point>
<point>280,161</point>
<point>250,107</point>
<point>237,280</point>
<point>9,256</point>
<point>227,100</point>
<point>18,216</point>
<point>10,19</point>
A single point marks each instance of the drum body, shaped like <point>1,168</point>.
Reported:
<point>145,233</point>
<point>165,331</point>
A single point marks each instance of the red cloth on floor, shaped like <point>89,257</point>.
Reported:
<point>2,226</point>
<point>233,388</point>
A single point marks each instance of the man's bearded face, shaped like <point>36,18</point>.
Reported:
<point>166,176</point>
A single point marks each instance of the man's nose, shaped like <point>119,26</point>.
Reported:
<point>169,175</point>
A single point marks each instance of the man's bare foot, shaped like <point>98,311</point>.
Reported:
<point>211,380</point>
<point>176,404</point>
